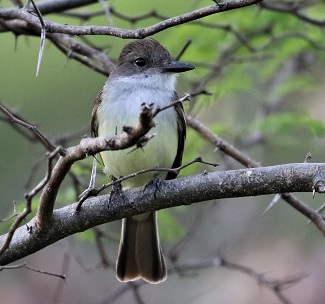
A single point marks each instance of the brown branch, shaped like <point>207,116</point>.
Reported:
<point>104,261</point>
<point>277,286</point>
<point>231,151</point>
<point>66,221</point>
<point>15,213</point>
<point>33,129</point>
<point>176,250</point>
<point>49,7</point>
<point>52,27</point>
<point>154,14</point>
<point>93,192</point>
<point>89,56</point>
<point>220,143</point>
<point>24,265</point>
<point>294,9</point>
<point>29,196</point>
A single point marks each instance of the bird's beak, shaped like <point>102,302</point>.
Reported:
<point>177,67</point>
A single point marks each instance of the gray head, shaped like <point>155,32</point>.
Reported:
<point>145,56</point>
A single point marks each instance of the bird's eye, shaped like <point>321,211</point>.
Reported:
<point>140,62</point>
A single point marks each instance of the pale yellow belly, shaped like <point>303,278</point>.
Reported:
<point>159,151</point>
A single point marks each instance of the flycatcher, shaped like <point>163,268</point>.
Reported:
<point>145,73</point>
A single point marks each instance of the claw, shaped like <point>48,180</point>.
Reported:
<point>84,195</point>
<point>154,185</point>
<point>116,194</point>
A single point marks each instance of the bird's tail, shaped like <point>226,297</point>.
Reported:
<point>140,254</point>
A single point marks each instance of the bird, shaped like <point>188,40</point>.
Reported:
<point>145,73</point>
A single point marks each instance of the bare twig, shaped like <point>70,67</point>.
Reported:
<point>41,137</point>
<point>135,288</point>
<point>180,245</point>
<point>93,192</point>
<point>228,149</point>
<point>58,289</point>
<point>185,97</point>
<point>183,50</point>
<point>293,8</point>
<point>52,27</point>
<point>29,196</point>
<point>87,55</point>
<point>24,265</point>
<point>100,248</point>
<point>220,143</point>
<point>276,286</point>
<point>15,213</point>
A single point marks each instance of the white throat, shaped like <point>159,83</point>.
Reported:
<point>155,88</point>
<point>123,96</point>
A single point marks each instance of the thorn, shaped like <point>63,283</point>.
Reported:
<point>116,194</point>
<point>274,201</point>
<point>43,36</point>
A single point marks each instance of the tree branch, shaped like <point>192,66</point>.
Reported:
<point>52,27</point>
<point>293,9</point>
<point>48,7</point>
<point>300,177</point>
<point>245,160</point>
<point>15,119</point>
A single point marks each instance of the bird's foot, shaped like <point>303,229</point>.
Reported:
<point>116,195</point>
<point>153,186</point>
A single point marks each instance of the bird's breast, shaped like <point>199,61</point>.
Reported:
<point>159,151</point>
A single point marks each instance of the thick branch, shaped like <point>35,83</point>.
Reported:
<point>66,221</point>
<point>47,7</point>
<point>228,149</point>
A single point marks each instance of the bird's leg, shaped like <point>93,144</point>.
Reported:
<point>153,186</point>
<point>90,191</point>
<point>116,193</point>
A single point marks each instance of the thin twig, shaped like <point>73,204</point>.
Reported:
<point>41,137</point>
<point>231,151</point>
<point>24,265</point>
<point>101,248</point>
<point>185,97</point>
<point>93,192</point>
<point>184,48</point>
<point>125,33</point>
<point>29,196</point>
<point>15,213</point>
<point>276,286</point>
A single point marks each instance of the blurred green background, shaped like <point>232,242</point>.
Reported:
<point>286,73</point>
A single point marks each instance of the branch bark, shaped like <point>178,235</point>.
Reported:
<point>52,27</point>
<point>299,177</point>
